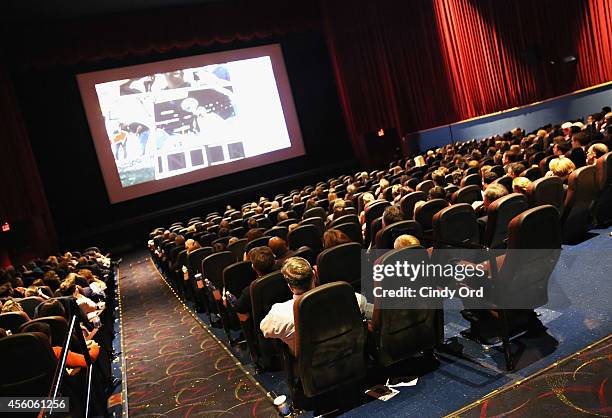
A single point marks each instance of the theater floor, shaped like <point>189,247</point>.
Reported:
<point>159,327</point>
<point>174,365</point>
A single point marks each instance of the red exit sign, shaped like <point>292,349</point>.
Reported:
<point>6,227</point>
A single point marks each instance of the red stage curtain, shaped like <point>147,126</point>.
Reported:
<point>419,64</point>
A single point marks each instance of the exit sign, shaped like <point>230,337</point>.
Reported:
<point>6,227</point>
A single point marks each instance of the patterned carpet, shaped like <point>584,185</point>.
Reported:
<point>175,366</point>
<point>580,385</point>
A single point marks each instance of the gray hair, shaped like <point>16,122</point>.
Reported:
<point>297,271</point>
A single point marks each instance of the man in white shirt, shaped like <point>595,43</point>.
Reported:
<point>279,322</point>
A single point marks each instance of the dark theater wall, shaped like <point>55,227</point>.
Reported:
<point>66,158</point>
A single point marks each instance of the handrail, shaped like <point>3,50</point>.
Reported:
<point>57,380</point>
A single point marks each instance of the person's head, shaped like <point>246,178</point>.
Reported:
<point>339,207</point>
<point>367,198</point>
<point>334,237</point>
<point>299,275</point>
<point>31,291</point>
<point>580,139</point>
<point>6,290</point>
<point>68,286</point>
<point>274,205</point>
<point>561,167</point>
<point>561,148</point>
<point>515,169</point>
<point>391,215</point>
<point>292,227</point>
<point>254,234</point>
<point>439,178</point>
<point>278,246</point>
<point>179,240</point>
<point>218,247</point>
<point>11,306</point>
<point>2,333</point>
<point>437,192</point>
<point>282,216</point>
<point>509,157</point>
<point>493,192</point>
<point>174,79</point>
<point>252,223</point>
<point>51,307</point>
<point>351,189</point>
<point>595,151</point>
<point>520,184</point>
<point>232,240</point>
<point>405,240</point>
<point>262,260</point>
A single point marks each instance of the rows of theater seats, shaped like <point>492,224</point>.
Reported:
<point>549,211</point>
<point>45,301</point>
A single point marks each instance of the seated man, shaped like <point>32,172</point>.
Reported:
<point>279,322</point>
<point>263,262</point>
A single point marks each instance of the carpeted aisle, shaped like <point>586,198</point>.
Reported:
<point>576,386</point>
<point>175,367</point>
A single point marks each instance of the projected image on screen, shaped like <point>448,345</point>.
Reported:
<point>166,124</point>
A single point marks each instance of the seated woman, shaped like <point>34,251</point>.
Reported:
<point>73,359</point>
<point>561,167</point>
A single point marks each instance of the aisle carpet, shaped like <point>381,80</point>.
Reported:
<point>580,385</point>
<point>175,367</point>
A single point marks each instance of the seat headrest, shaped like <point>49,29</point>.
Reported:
<point>536,228</point>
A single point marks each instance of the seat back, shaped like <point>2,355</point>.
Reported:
<point>398,334</point>
<point>407,203</point>
<point>237,276</point>
<point>456,223</point>
<point>12,321</point>
<point>316,221</point>
<point>213,266</point>
<point>330,338</point>
<point>29,304</point>
<point>318,212</point>
<point>390,233</point>
<point>544,164</point>
<point>471,180</point>
<point>31,365</point>
<point>238,248</point>
<point>373,211</point>
<point>57,324</point>
<point>278,231</point>
<point>258,242</point>
<point>524,275</point>
<point>352,230</point>
<point>374,228</point>
<point>424,214</point>
<point>340,263</point>
<point>467,194</point>
<point>194,260</point>
<point>425,186</point>
<point>266,291</point>
<point>505,181</point>
<point>546,191</point>
<point>344,219</point>
<point>499,215</point>
<point>581,192</point>
<point>305,235</point>
<point>604,170</point>
<point>532,173</point>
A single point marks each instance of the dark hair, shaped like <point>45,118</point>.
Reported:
<point>333,237</point>
<point>51,307</point>
<point>223,232</point>
<point>564,146</point>
<point>582,138</point>
<point>252,223</point>
<point>489,177</point>
<point>435,193</point>
<point>516,169</point>
<point>391,215</point>
<point>262,259</point>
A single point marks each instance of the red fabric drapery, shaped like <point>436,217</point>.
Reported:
<point>419,64</point>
